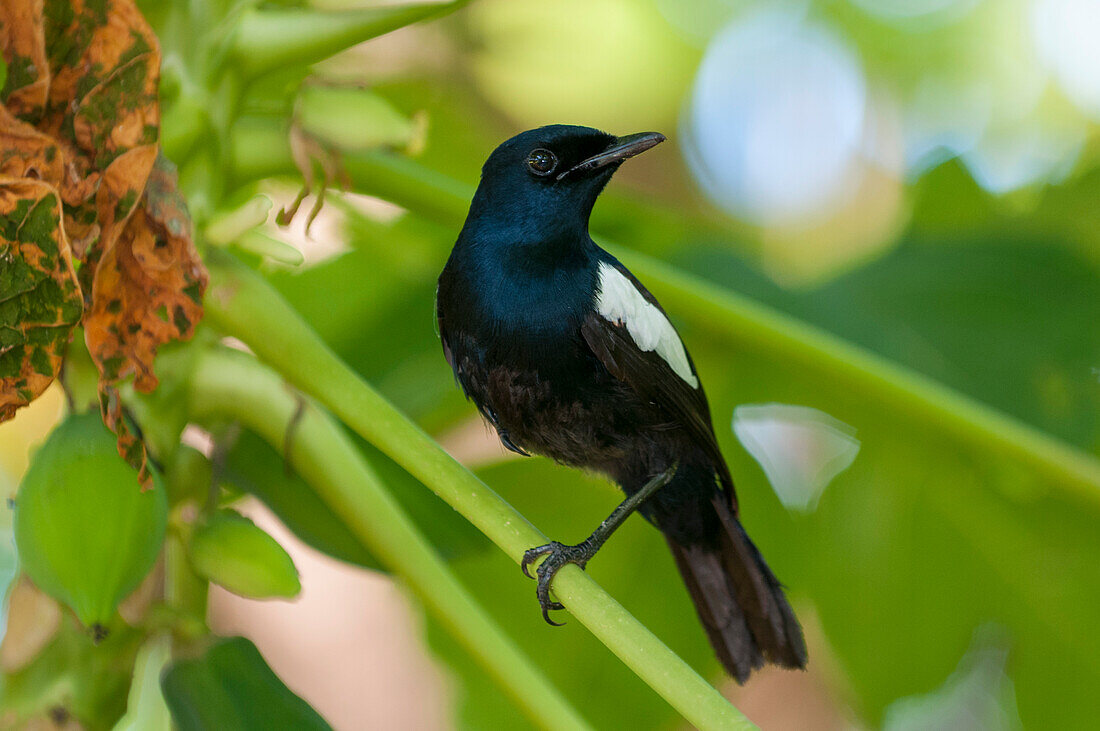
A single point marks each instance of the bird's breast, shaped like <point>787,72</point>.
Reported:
<point>519,353</point>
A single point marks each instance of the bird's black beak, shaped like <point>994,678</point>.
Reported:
<point>620,149</point>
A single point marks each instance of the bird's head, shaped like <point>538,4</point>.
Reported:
<point>542,183</point>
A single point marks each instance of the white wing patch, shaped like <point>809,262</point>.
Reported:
<point>618,301</point>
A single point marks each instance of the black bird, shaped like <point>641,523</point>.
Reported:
<point>568,355</point>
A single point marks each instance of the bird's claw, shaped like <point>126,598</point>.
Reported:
<point>557,555</point>
<point>532,554</point>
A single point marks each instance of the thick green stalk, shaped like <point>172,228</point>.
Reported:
<point>761,329</point>
<point>271,38</point>
<point>183,590</point>
<point>243,305</point>
<point>233,385</point>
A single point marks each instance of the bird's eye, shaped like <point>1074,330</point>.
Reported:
<point>542,162</point>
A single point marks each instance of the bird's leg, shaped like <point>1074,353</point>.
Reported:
<point>559,554</point>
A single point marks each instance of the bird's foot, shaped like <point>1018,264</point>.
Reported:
<point>557,555</point>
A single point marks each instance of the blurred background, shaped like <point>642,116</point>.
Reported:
<point>918,178</point>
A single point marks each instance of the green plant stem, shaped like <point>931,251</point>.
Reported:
<point>763,330</point>
<point>229,384</point>
<point>244,305</point>
<point>271,38</point>
<point>183,590</point>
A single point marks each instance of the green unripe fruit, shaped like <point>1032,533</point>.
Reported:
<point>233,553</point>
<point>86,533</point>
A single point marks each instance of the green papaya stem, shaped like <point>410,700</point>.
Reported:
<point>244,305</point>
<point>234,385</point>
<point>759,328</point>
<point>184,591</point>
<point>271,38</point>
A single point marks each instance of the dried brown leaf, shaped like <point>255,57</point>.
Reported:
<point>147,291</point>
<point>104,64</point>
<point>23,43</point>
<point>85,73</point>
<point>120,190</point>
<point>148,286</point>
<point>27,153</point>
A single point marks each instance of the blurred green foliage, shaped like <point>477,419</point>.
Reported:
<point>230,686</point>
<point>922,541</point>
<point>925,539</point>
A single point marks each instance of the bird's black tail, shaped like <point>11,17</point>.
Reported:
<point>739,600</point>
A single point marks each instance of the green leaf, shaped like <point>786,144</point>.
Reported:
<point>231,551</point>
<point>231,687</point>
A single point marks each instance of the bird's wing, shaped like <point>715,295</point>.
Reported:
<point>441,331</point>
<point>461,376</point>
<point>631,335</point>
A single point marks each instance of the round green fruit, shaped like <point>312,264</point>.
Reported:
<point>231,551</point>
<point>86,532</point>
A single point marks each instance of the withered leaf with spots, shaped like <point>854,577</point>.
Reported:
<point>120,190</point>
<point>147,291</point>
<point>104,67</point>
<point>40,301</point>
<point>79,125</point>
<point>23,43</point>
<point>27,153</point>
<point>148,286</point>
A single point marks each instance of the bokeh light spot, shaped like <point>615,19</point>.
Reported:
<point>776,117</point>
<point>1066,33</point>
<point>799,448</point>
